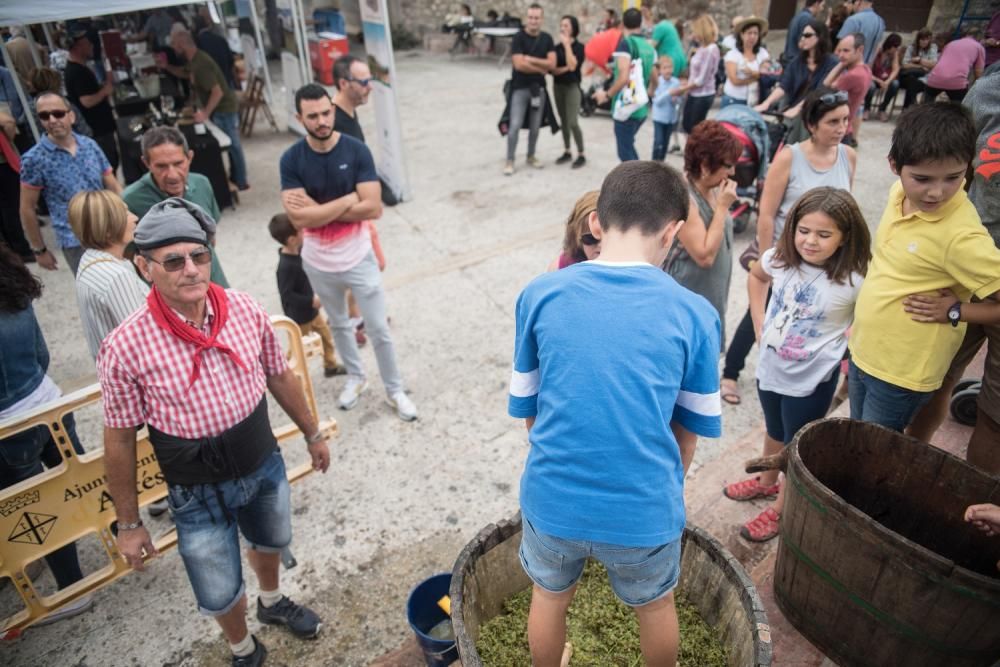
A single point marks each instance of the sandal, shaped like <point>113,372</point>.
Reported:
<point>763,528</point>
<point>749,489</point>
<point>730,392</point>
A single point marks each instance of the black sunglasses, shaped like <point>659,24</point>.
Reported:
<point>806,35</point>
<point>589,239</point>
<point>839,97</point>
<point>177,262</point>
<point>45,115</point>
<point>362,82</point>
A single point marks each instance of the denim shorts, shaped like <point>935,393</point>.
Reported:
<point>880,402</point>
<point>638,575</point>
<point>207,516</point>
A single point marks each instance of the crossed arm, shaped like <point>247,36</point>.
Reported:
<point>533,65</point>
<point>365,203</point>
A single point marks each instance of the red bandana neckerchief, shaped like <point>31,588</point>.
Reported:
<point>167,319</point>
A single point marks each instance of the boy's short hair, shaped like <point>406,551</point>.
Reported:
<point>644,193</point>
<point>935,131</point>
<point>281,228</point>
<point>632,18</point>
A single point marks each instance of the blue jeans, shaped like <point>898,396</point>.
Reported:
<point>661,139</point>
<point>625,131</point>
<point>230,124</point>
<point>638,575</point>
<point>727,100</point>
<point>883,403</point>
<point>520,106</point>
<point>207,517</point>
<point>21,457</point>
<point>784,415</point>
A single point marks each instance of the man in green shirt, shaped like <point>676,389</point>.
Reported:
<point>165,153</point>
<point>631,47</point>
<point>215,99</point>
<point>667,42</point>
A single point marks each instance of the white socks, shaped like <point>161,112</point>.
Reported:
<point>270,598</point>
<point>243,648</point>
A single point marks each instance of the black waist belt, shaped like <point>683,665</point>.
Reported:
<point>236,452</point>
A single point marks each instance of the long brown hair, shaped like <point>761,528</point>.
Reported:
<point>854,252</point>
<point>577,225</point>
<point>18,287</point>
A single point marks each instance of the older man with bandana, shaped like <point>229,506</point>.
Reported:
<point>193,365</point>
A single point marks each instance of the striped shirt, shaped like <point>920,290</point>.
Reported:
<point>145,372</point>
<point>107,290</point>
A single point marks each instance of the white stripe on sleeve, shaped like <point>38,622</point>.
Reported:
<point>707,405</point>
<point>523,385</point>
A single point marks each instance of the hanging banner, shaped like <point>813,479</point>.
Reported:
<point>378,43</point>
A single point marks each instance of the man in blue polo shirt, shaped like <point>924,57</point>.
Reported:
<point>868,23</point>
<point>60,165</point>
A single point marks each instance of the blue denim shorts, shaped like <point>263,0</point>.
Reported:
<point>880,402</point>
<point>638,575</point>
<point>207,517</point>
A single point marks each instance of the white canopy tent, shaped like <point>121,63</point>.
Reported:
<point>28,12</point>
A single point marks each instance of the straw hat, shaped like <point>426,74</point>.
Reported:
<point>752,20</point>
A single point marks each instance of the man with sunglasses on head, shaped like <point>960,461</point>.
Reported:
<point>193,365</point>
<point>329,188</point>
<point>61,164</point>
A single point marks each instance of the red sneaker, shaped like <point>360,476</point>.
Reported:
<point>750,489</point>
<point>763,528</point>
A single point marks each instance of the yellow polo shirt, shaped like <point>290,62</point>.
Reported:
<point>920,252</point>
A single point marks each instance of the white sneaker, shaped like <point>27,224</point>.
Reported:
<point>508,169</point>
<point>404,407</point>
<point>70,609</point>
<point>351,393</point>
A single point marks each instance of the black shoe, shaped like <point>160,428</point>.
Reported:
<point>339,369</point>
<point>579,162</point>
<point>302,621</point>
<point>564,158</point>
<point>255,659</point>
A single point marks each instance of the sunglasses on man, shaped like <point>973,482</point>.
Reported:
<point>175,263</point>
<point>362,82</point>
<point>57,114</point>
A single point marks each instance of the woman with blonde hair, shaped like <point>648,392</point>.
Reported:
<point>579,245</point>
<point>107,287</point>
<point>700,87</point>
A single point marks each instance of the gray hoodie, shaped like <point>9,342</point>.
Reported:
<point>983,100</point>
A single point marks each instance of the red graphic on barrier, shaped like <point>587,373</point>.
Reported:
<point>989,158</point>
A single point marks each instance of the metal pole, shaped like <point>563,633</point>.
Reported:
<point>48,37</point>
<point>20,93</point>
<point>260,51</point>
<point>300,28</point>
<point>34,46</point>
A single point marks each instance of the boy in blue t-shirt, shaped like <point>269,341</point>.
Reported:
<point>615,374</point>
<point>664,90</point>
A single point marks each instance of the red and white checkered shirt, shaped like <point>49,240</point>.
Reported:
<point>145,372</point>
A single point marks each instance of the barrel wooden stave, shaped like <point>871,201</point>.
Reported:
<point>899,602</point>
<point>488,571</point>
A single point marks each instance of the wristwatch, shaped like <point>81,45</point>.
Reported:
<point>39,251</point>
<point>955,313</point>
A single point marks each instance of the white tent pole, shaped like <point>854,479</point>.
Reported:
<point>48,37</point>
<point>20,93</point>
<point>260,51</point>
<point>34,47</point>
<point>305,66</point>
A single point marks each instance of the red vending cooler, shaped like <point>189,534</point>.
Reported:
<point>323,52</point>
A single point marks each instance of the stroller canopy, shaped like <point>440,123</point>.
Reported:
<point>754,126</point>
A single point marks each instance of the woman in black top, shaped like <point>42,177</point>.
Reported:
<point>566,87</point>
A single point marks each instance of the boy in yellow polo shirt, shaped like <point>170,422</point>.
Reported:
<point>930,242</point>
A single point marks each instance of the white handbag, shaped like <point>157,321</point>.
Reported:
<point>634,95</point>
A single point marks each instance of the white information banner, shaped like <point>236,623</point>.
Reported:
<point>378,43</point>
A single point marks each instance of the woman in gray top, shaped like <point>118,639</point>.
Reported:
<point>820,160</point>
<point>702,256</point>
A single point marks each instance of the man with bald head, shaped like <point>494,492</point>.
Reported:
<point>194,364</point>
<point>61,164</point>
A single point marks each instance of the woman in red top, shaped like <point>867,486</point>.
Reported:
<point>885,76</point>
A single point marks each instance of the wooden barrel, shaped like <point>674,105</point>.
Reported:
<point>876,565</point>
<point>488,572</point>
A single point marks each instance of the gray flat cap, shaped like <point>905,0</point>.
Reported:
<point>173,220</point>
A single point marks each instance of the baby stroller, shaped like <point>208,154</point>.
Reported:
<point>760,140</point>
<point>964,401</point>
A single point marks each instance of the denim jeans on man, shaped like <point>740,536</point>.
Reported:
<point>879,402</point>
<point>207,518</point>
<point>230,124</point>
<point>625,131</point>
<point>365,283</point>
<point>520,105</point>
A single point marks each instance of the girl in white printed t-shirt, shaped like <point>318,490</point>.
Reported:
<point>816,269</point>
